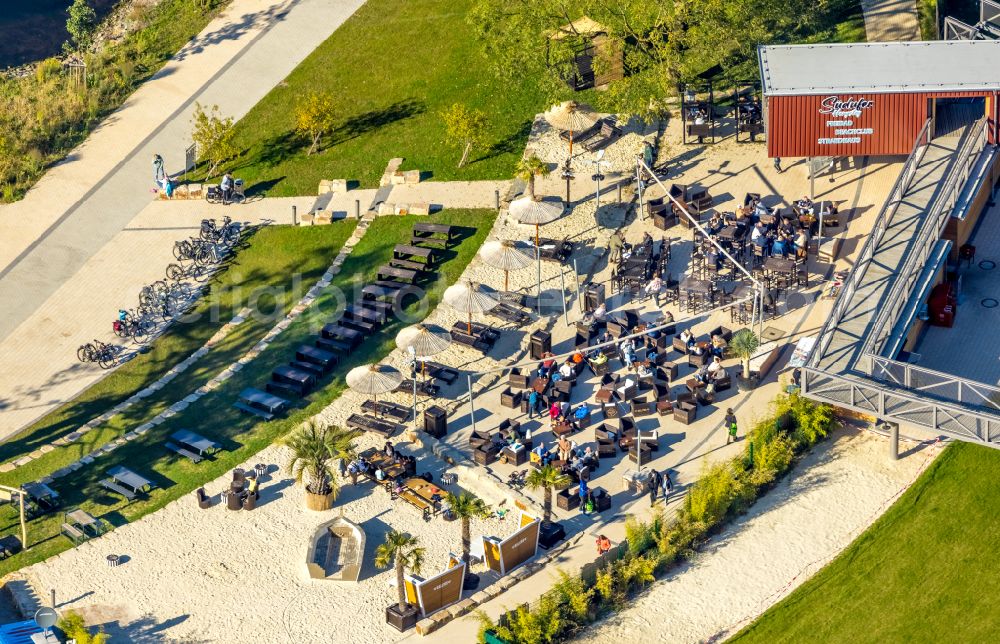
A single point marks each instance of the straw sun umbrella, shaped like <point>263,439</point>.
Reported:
<point>374,379</point>
<point>536,211</point>
<point>571,117</point>
<point>469,297</point>
<point>506,255</point>
<point>425,339</point>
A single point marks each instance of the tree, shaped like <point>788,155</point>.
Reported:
<point>400,549</point>
<point>744,345</point>
<point>81,24</point>
<point>663,42</point>
<point>465,507</point>
<point>313,448</point>
<point>547,478</point>
<point>73,626</point>
<point>315,115</point>
<point>212,136</point>
<point>465,128</point>
<point>530,168</point>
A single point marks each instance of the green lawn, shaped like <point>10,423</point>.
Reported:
<point>927,571</point>
<point>275,269</point>
<point>392,67</point>
<point>213,416</point>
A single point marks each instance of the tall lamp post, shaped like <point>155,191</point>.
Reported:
<point>597,176</point>
<point>568,175</point>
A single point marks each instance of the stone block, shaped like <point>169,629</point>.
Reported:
<point>45,449</point>
<point>425,626</point>
<point>338,186</point>
<point>480,597</point>
<point>397,178</point>
<point>324,187</point>
<point>322,217</point>
<point>385,208</point>
<point>421,208</point>
<point>411,177</point>
<point>7,467</point>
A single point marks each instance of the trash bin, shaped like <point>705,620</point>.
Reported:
<point>594,297</point>
<point>541,342</point>
<point>436,421</point>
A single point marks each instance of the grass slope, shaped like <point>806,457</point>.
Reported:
<point>391,68</point>
<point>241,435</point>
<point>275,269</point>
<point>927,571</point>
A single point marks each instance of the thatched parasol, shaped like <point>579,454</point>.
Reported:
<point>507,255</point>
<point>537,211</point>
<point>571,117</point>
<point>469,297</point>
<point>374,379</point>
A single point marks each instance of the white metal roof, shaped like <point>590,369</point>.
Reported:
<point>941,66</point>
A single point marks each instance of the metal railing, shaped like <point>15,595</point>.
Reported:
<point>930,232</point>
<point>946,387</point>
<point>867,253</point>
<point>885,401</point>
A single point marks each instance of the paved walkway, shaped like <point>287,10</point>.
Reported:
<point>891,20</point>
<point>82,203</point>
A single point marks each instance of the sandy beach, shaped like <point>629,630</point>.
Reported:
<point>838,490</point>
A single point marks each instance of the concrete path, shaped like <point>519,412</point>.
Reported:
<point>82,203</point>
<point>891,20</point>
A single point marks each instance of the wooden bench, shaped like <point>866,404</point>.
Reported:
<point>114,487</point>
<point>189,455</point>
<point>260,403</point>
<point>369,314</point>
<point>286,388</point>
<point>314,369</point>
<point>395,262</point>
<point>73,533</point>
<point>337,332</point>
<point>358,325</point>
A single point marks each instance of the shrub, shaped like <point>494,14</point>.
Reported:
<point>712,496</point>
<point>73,626</point>
<point>48,68</point>
<point>575,596</point>
<point>639,535</point>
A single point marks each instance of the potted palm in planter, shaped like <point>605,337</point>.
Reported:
<point>400,550</point>
<point>744,346</point>
<point>314,447</point>
<point>547,478</point>
<point>465,507</point>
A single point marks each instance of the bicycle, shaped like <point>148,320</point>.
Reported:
<point>196,271</point>
<point>132,325</point>
<point>214,195</point>
<point>105,355</point>
<point>228,233</point>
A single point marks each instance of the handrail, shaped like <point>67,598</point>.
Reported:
<point>867,252</point>
<point>989,394</point>
<point>929,233</point>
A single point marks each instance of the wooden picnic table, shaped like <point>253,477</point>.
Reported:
<point>334,330</point>
<point>81,518</point>
<point>40,492</point>
<point>260,403</point>
<point>407,251</point>
<point>125,476</point>
<point>196,442</point>
<point>291,374</point>
<point>395,272</point>
<point>324,359</point>
<point>362,312</point>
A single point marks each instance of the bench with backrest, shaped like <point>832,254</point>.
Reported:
<point>608,134</point>
<point>182,451</point>
<point>260,403</point>
<point>433,234</point>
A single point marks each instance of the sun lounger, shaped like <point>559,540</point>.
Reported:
<point>438,371</point>
<point>508,313</point>
<point>608,135</point>
<point>584,135</point>
<point>376,425</point>
<point>460,337</point>
<point>383,408</point>
<point>423,388</point>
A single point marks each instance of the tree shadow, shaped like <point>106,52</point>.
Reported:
<point>510,144</point>
<point>359,124</point>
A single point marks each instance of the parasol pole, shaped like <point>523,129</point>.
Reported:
<point>571,144</point>
<point>506,277</point>
<point>469,323</point>
<point>537,242</point>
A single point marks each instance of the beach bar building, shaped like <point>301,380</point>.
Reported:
<point>899,346</point>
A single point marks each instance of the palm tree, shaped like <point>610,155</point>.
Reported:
<point>467,506</point>
<point>744,345</point>
<point>547,477</point>
<point>314,447</point>
<point>528,169</point>
<point>400,549</point>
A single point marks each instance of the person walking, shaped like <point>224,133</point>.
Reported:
<point>226,186</point>
<point>668,485</point>
<point>654,486</point>
<point>159,174</point>
<point>617,243</point>
<point>533,404</point>
<point>730,426</point>
<point>777,164</point>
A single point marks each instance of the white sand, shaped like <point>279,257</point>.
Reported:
<point>796,529</point>
<point>214,575</point>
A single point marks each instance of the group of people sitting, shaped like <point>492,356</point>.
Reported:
<point>575,460</point>
<point>716,347</point>
<point>362,465</point>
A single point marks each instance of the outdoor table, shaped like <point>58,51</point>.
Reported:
<point>540,385</point>
<point>81,518</point>
<point>319,356</point>
<point>292,374</point>
<point>127,477</point>
<point>693,385</point>
<point>195,441</point>
<point>263,399</point>
<point>604,395</point>
<point>695,285</point>
<point>728,233</point>
<point>779,265</point>
<point>39,491</point>
<point>561,428</point>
